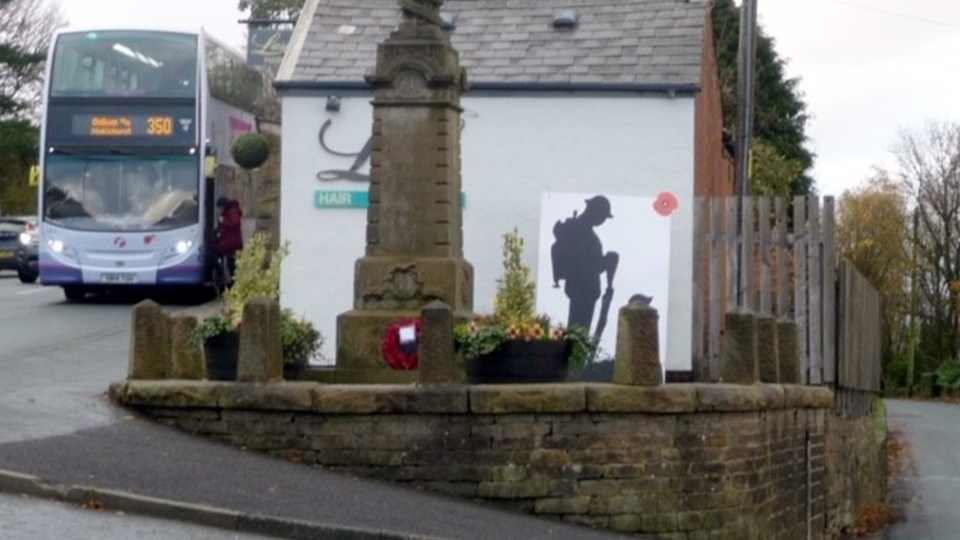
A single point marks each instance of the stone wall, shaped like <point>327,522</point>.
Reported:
<point>856,467</point>
<point>681,461</point>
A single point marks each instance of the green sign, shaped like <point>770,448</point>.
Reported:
<point>341,199</point>
<point>351,199</point>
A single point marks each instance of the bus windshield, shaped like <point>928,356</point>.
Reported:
<point>121,193</point>
<point>124,63</point>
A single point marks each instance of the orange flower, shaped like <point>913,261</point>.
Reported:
<point>535,332</point>
<point>513,331</point>
<point>557,333</point>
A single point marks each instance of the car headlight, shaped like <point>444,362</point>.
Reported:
<point>26,238</point>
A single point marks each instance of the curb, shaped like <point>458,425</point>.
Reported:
<point>197,514</point>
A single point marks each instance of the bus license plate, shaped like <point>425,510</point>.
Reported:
<point>118,278</point>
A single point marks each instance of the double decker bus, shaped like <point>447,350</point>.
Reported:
<point>131,120</point>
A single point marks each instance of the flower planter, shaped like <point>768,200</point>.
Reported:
<point>222,354</point>
<point>293,371</point>
<point>539,361</point>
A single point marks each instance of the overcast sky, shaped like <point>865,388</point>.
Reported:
<point>867,68</point>
<point>219,17</point>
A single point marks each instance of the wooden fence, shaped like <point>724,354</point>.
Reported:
<point>859,345</point>
<point>778,258</point>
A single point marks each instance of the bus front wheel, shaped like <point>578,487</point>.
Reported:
<point>74,293</point>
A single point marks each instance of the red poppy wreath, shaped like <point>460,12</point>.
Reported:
<point>390,347</point>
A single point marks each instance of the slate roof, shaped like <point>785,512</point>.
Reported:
<point>513,42</point>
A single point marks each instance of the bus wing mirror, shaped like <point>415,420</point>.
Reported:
<point>210,166</point>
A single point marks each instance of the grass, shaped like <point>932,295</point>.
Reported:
<point>877,516</point>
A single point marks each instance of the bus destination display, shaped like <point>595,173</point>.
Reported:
<point>124,125</point>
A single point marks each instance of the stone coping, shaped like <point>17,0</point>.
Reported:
<point>311,397</point>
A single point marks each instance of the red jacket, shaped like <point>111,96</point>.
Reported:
<point>230,240</point>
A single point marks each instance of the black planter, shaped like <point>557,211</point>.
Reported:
<point>222,354</point>
<point>541,361</point>
<point>294,371</point>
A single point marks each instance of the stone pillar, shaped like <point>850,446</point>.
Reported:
<point>788,351</point>
<point>638,347</point>
<point>149,342</point>
<point>186,356</point>
<point>767,349</point>
<point>414,237</point>
<point>436,345</point>
<point>740,364</point>
<point>261,351</point>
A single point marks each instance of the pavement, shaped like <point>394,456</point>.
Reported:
<point>131,464</point>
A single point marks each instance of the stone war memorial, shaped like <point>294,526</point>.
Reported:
<point>414,240</point>
<point>746,460</point>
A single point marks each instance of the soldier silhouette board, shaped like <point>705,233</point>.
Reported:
<point>596,253</point>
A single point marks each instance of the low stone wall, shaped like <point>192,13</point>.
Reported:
<point>856,467</point>
<point>681,461</point>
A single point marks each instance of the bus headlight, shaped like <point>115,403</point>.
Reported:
<point>57,247</point>
<point>176,251</point>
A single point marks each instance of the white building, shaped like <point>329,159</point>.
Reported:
<point>568,99</point>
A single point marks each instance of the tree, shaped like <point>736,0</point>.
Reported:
<point>873,233</point>
<point>772,173</point>
<point>26,27</point>
<point>780,115</point>
<point>25,30</point>
<point>928,166</point>
<point>272,9</point>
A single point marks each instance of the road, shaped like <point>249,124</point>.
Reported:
<point>932,479</point>
<point>47,391</point>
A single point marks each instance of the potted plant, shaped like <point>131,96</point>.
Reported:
<point>257,274</point>
<point>515,344</point>
<point>301,341</point>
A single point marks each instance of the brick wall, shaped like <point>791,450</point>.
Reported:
<point>713,169</point>
<point>677,462</point>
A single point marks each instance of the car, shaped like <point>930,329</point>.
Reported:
<point>18,246</point>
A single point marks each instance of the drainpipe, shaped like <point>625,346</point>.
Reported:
<point>809,485</point>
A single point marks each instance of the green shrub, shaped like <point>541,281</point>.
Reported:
<point>250,150</point>
<point>948,375</point>
<point>258,274</point>
<point>301,340</point>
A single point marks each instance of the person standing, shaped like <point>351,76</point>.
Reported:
<point>229,235</point>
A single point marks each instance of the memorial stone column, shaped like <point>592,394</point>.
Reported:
<point>414,236</point>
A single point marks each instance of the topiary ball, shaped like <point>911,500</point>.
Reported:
<point>250,150</point>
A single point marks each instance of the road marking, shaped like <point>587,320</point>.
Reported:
<point>35,290</point>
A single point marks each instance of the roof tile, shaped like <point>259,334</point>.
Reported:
<point>513,41</point>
